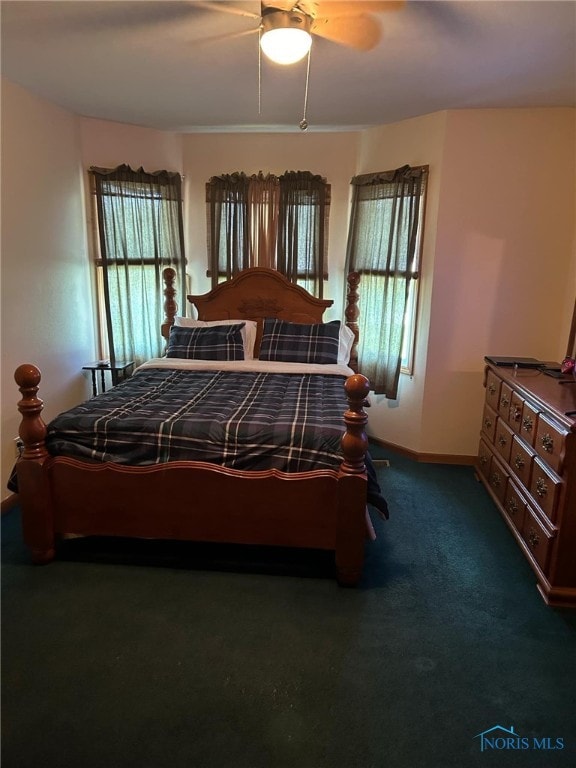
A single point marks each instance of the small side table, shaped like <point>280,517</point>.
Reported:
<point>119,370</point>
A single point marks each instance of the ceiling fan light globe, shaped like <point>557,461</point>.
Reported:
<point>285,46</point>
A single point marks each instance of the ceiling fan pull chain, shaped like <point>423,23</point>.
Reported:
<point>304,123</point>
<point>259,71</point>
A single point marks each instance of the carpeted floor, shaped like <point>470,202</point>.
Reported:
<point>137,655</point>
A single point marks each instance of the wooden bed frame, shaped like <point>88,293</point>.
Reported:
<point>197,501</point>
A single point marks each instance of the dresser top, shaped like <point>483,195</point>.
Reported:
<point>544,391</point>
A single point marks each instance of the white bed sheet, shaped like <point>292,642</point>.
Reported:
<point>258,366</point>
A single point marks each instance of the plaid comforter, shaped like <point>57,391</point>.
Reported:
<point>244,420</point>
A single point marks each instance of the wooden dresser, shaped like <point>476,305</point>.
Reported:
<point>527,461</point>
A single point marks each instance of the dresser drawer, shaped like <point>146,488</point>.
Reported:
<point>489,419</point>
<point>538,539</point>
<point>545,488</point>
<point>505,401</point>
<point>529,423</point>
<point>515,506</point>
<point>498,479</point>
<point>521,461</point>
<point>484,460</point>
<point>516,408</point>
<point>549,442</point>
<point>503,440</point>
<point>493,390</point>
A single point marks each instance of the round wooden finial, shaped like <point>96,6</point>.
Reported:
<point>27,376</point>
<point>357,387</point>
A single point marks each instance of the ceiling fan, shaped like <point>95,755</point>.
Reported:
<point>287,27</point>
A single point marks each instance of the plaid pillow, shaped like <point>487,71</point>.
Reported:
<point>300,343</point>
<point>219,342</point>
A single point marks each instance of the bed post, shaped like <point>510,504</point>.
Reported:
<point>170,306</point>
<point>352,485</point>
<point>351,313</point>
<point>33,490</point>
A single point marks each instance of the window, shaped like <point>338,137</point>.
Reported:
<point>384,245</point>
<point>140,233</point>
<point>271,221</point>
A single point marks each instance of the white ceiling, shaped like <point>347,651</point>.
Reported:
<point>181,66</point>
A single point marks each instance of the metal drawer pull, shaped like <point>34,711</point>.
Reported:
<point>502,440</point>
<point>519,462</point>
<point>533,538</point>
<point>487,423</point>
<point>491,388</point>
<point>517,413</point>
<point>541,487</point>
<point>483,460</point>
<point>548,443</point>
<point>512,506</point>
<point>527,423</point>
<point>504,401</point>
<point>496,479</point>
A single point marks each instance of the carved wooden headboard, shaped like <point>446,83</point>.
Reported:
<point>253,294</point>
<point>260,292</point>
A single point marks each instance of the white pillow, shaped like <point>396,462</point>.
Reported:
<point>248,332</point>
<point>345,342</point>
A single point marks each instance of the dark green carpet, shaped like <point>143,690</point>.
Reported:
<point>130,654</point>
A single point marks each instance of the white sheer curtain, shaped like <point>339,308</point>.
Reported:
<point>383,249</point>
<point>140,233</point>
<point>279,222</point>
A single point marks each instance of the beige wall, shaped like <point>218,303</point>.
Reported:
<point>107,144</point>
<point>504,250</point>
<point>46,293</point>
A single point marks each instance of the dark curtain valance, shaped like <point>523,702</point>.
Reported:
<point>125,171</point>
<point>167,184</point>
<point>387,177</point>
<point>240,179</point>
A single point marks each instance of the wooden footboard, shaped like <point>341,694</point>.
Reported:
<point>194,501</point>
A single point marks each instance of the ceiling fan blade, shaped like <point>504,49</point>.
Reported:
<point>278,5</point>
<point>360,32</point>
<point>357,7</point>
<point>223,7</point>
<point>225,37</point>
